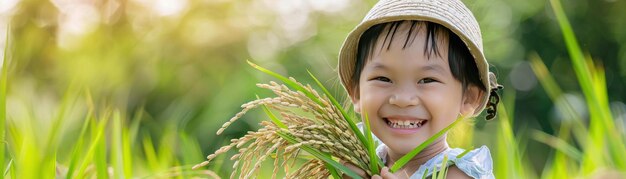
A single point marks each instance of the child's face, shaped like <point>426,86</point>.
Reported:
<point>407,96</point>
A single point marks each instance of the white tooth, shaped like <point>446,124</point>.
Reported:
<point>406,123</point>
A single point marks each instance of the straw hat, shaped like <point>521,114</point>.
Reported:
<point>452,14</point>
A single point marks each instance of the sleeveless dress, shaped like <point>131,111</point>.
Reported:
<point>476,163</point>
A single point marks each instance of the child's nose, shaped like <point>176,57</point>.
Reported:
<point>404,98</point>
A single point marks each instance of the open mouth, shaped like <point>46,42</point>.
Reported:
<point>405,124</point>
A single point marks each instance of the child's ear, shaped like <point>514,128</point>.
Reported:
<point>471,100</point>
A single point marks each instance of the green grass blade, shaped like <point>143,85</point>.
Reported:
<point>444,168</point>
<point>13,149</point>
<point>404,159</point>
<point>165,151</point>
<point>117,156</point>
<point>370,147</point>
<point>7,168</point>
<point>192,151</point>
<point>100,156</point>
<point>578,60</point>
<point>557,143</point>
<point>127,154</point>
<point>77,152</point>
<point>95,148</point>
<point>135,124</point>
<point>602,131</point>
<point>320,155</point>
<point>148,150</point>
<point>550,86</point>
<point>3,100</point>
<point>508,158</point>
<point>554,92</point>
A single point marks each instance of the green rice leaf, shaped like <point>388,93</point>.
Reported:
<point>332,171</point>
<point>351,123</point>
<point>425,173</point>
<point>320,155</point>
<point>370,147</point>
<point>272,116</point>
<point>435,174</point>
<point>443,171</point>
<point>405,159</point>
<point>464,152</point>
<point>287,81</point>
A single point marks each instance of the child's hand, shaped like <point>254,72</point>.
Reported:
<point>385,174</point>
<point>355,169</point>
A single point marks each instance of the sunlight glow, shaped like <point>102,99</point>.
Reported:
<point>7,6</point>
<point>76,19</point>
<point>165,7</point>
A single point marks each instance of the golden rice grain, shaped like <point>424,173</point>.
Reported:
<point>321,127</point>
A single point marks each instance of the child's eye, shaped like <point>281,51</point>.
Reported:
<point>381,78</point>
<point>427,80</point>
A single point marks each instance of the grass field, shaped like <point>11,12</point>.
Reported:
<point>88,133</point>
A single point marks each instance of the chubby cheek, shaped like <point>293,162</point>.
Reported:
<point>444,108</point>
<point>371,100</point>
<point>370,103</point>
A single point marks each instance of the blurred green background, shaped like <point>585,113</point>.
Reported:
<point>175,70</point>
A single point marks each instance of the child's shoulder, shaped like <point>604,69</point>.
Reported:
<point>476,163</point>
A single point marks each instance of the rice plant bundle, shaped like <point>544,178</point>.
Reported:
<point>308,123</point>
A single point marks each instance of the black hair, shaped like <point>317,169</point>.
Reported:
<point>462,64</point>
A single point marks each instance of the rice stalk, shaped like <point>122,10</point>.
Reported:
<point>308,123</point>
<point>323,130</point>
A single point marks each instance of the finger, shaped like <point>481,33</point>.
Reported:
<point>386,174</point>
<point>376,177</point>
